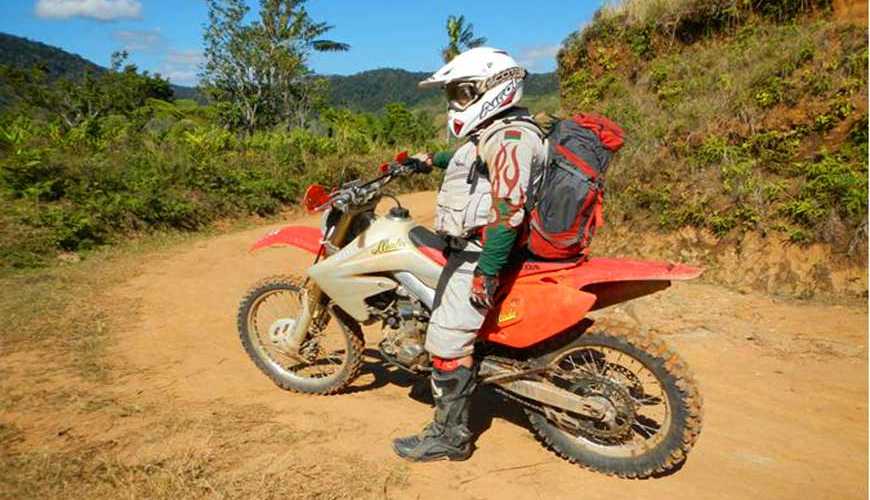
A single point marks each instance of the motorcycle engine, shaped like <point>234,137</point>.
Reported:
<point>404,330</point>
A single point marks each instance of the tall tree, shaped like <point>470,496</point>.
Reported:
<point>258,72</point>
<point>231,75</point>
<point>460,37</point>
<point>290,36</point>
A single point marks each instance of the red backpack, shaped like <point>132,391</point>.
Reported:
<point>568,193</point>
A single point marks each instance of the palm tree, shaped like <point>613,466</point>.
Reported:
<point>460,37</point>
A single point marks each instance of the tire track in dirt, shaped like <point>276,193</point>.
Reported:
<point>784,385</point>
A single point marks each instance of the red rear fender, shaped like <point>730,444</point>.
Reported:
<point>606,270</point>
<point>613,281</point>
<point>304,237</point>
<point>547,298</point>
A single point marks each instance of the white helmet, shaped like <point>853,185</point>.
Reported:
<point>480,83</point>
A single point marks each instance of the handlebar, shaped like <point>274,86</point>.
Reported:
<point>355,194</point>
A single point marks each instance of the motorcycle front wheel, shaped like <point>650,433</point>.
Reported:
<point>329,355</point>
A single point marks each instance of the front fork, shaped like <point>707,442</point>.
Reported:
<point>313,297</point>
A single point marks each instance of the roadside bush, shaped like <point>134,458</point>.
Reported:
<point>76,188</point>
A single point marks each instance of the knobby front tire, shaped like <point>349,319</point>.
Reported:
<point>287,372</point>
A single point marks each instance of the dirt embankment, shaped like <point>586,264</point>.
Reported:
<point>854,11</point>
<point>768,264</point>
<point>784,385</point>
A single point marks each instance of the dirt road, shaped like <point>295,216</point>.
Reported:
<point>784,383</point>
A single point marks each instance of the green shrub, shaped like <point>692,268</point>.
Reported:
<point>772,147</point>
<point>80,187</point>
<point>641,41</point>
<point>830,185</point>
<point>713,150</point>
<point>770,92</point>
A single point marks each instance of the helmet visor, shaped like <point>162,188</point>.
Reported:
<point>461,94</point>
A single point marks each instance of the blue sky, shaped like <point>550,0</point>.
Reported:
<point>166,35</point>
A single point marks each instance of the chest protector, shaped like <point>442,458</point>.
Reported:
<point>465,197</point>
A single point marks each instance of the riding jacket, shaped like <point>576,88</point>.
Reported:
<point>485,183</point>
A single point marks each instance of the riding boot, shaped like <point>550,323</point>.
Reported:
<point>447,436</point>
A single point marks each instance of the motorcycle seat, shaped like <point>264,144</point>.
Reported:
<point>429,244</point>
<point>432,245</point>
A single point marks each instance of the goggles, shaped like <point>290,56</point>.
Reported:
<point>462,94</point>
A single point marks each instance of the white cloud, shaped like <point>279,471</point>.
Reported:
<point>145,41</point>
<point>102,10</point>
<point>182,66</point>
<point>540,58</point>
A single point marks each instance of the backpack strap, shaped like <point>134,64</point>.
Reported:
<point>522,121</point>
<point>477,168</point>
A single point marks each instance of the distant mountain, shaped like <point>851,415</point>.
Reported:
<point>365,91</point>
<point>371,90</point>
<point>23,53</point>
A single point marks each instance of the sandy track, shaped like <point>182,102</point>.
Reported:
<point>784,383</point>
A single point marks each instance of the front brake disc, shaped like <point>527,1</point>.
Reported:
<point>281,331</point>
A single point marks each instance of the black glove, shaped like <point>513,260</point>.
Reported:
<point>483,290</point>
<point>420,163</point>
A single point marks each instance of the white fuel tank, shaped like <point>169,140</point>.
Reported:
<point>361,269</point>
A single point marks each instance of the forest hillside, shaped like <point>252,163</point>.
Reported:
<point>19,52</point>
<point>367,91</point>
<point>746,129</point>
<point>372,90</point>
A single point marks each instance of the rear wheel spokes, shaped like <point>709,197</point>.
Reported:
<point>638,397</point>
<point>646,427</point>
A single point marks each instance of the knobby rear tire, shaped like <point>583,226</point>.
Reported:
<point>679,386</point>
<point>351,331</point>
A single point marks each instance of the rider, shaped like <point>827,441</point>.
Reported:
<point>481,212</point>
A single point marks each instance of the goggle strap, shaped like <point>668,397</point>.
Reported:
<point>515,73</point>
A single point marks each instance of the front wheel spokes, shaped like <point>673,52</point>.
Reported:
<point>309,360</point>
<point>318,360</point>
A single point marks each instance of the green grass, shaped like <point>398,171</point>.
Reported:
<point>754,124</point>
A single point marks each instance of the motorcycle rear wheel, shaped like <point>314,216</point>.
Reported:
<point>317,369</point>
<point>644,445</point>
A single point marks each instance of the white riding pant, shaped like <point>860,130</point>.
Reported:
<point>455,322</point>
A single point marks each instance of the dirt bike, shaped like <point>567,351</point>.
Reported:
<point>616,401</point>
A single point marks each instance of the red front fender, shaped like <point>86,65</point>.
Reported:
<point>304,237</point>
